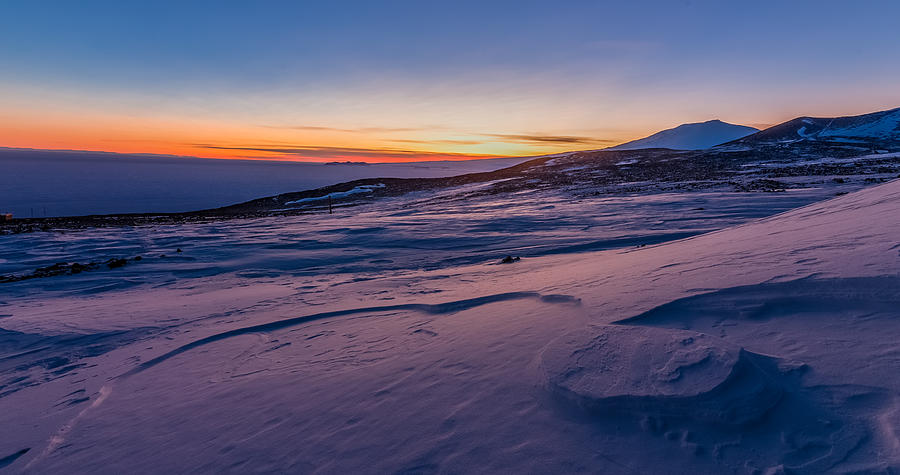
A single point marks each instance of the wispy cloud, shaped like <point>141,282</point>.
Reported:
<point>440,141</point>
<point>538,138</point>
<point>358,130</point>
<point>524,138</point>
<point>528,139</point>
<point>335,153</point>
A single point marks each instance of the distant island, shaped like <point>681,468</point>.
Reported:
<point>347,163</point>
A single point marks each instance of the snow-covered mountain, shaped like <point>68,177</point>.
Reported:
<point>874,127</point>
<point>696,136</point>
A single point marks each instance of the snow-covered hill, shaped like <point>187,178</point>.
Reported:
<point>876,127</point>
<point>694,136</point>
<point>763,348</point>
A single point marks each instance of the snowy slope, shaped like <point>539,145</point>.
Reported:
<point>694,136</point>
<point>881,126</point>
<point>765,347</point>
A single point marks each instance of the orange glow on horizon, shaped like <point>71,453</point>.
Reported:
<point>207,139</point>
<point>70,128</point>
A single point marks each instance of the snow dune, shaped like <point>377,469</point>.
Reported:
<point>761,348</point>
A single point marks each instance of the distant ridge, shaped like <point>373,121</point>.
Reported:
<point>873,127</point>
<point>695,136</point>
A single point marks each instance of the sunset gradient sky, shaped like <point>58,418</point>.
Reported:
<point>422,80</point>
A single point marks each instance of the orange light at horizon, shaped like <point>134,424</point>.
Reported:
<point>211,139</point>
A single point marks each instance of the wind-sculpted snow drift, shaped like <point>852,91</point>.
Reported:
<point>660,373</point>
<point>853,356</point>
<point>747,411</point>
<point>446,307</point>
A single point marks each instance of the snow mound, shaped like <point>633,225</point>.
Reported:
<point>659,372</point>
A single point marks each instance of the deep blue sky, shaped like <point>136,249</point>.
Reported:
<point>453,71</point>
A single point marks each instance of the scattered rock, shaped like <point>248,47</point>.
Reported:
<point>763,184</point>
<point>67,268</point>
<point>76,267</point>
<point>116,262</point>
<point>510,259</point>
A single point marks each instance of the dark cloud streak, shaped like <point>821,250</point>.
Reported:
<point>540,139</point>
<point>344,152</point>
<point>440,141</point>
<point>350,130</point>
<point>550,139</point>
<point>535,138</point>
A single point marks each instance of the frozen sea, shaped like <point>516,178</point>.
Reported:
<point>38,183</point>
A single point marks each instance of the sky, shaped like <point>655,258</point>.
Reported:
<point>426,80</point>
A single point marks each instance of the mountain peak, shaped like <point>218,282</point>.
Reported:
<point>692,136</point>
